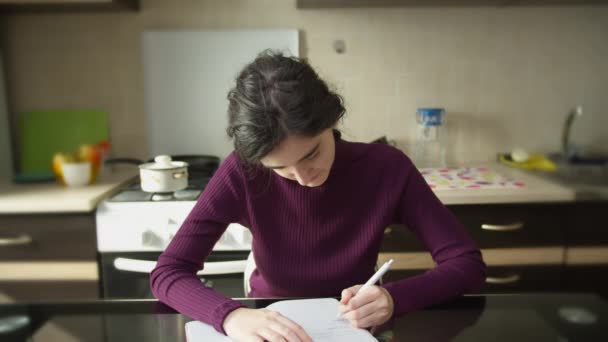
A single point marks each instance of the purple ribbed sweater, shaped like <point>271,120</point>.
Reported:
<point>315,242</point>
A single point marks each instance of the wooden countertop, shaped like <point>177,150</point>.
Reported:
<point>537,189</point>
<point>56,198</point>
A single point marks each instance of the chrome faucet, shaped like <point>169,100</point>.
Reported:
<point>568,150</point>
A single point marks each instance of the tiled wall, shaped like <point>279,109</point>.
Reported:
<point>507,76</point>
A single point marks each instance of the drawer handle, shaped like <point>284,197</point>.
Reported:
<point>504,280</point>
<point>20,240</point>
<point>503,227</point>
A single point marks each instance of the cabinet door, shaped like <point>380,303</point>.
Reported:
<point>587,224</point>
<point>67,6</point>
<point>507,279</point>
<point>398,238</point>
<point>519,225</point>
<point>523,278</point>
<point>47,237</point>
<point>304,4</point>
<point>587,248</point>
<point>494,226</point>
<point>35,291</point>
<point>587,279</point>
<point>508,235</point>
<point>48,257</point>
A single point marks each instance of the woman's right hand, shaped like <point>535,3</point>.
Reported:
<point>244,324</point>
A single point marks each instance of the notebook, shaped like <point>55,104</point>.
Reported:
<point>317,316</point>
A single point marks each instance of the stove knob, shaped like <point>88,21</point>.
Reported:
<point>172,227</point>
<point>207,282</point>
<point>151,239</point>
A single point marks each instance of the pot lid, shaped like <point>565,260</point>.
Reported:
<point>163,162</point>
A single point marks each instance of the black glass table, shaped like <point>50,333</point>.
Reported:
<point>509,317</point>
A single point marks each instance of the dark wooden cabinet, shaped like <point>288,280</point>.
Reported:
<point>397,239</point>
<point>507,279</point>
<point>303,4</point>
<point>48,257</point>
<point>523,278</point>
<point>587,224</point>
<point>67,6</point>
<point>586,278</point>
<point>527,247</point>
<point>495,226</point>
<point>586,259</point>
<point>513,225</point>
<point>34,291</point>
<point>47,237</point>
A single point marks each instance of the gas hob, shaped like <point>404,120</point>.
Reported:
<point>134,193</point>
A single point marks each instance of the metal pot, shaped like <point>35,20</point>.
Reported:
<point>163,175</point>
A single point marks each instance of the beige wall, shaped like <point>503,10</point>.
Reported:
<point>507,76</point>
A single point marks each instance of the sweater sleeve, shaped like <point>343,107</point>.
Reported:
<point>174,281</point>
<point>460,268</point>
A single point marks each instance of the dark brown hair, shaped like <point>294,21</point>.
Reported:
<point>276,96</point>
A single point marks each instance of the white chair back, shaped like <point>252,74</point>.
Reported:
<point>249,268</point>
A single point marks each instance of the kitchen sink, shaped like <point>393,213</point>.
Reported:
<point>579,172</point>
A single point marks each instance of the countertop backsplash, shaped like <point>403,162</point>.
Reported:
<point>507,76</point>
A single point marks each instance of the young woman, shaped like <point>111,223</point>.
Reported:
<point>317,207</point>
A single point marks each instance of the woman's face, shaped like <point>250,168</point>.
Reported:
<point>306,160</point>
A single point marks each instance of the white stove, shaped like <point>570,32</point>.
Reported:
<point>150,226</point>
<point>134,227</point>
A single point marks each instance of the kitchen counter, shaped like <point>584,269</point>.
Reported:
<point>536,189</point>
<point>584,190</point>
<point>56,198</point>
<point>512,317</point>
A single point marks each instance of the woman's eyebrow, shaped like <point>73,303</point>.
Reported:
<point>314,149</point>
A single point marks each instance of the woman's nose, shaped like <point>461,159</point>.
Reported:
<point>302,175</point>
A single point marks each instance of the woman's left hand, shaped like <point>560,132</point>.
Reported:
<point>373,306</point>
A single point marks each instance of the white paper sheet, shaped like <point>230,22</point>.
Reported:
<point>316,316</point>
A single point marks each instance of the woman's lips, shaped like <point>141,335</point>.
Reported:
<point>314,178</point>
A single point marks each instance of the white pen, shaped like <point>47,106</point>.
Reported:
<point>373,279</point>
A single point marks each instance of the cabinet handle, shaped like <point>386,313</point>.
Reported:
<point>20,240</point>
<point>503,280</point>
<point>502,227</point>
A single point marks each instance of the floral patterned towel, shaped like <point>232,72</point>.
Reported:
<point>467,178</point>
